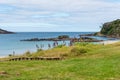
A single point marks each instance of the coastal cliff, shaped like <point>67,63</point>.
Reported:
<point>5,32</point>
<point>110,29</point>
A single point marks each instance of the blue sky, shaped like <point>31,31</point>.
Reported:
<point>57,15</point>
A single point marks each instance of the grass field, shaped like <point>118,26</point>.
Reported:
<point>99,62</point>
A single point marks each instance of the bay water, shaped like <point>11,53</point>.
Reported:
<point>10,43</point>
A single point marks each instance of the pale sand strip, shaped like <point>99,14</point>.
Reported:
<point>109,42</point>
<point>2,56</point>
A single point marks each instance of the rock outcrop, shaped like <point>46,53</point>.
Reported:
<point>5,32</point>
<point>111,29</point>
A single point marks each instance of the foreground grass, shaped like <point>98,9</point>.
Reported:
<point>99,63</point>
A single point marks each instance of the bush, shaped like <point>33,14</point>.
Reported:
<point>59,46</point>
<point>82,43</point>
<point>10,55</point>
<point>64,55</point>
<point>37,54</point>
<point>79,51</point>
<point>38,50</point>
<point>27,53</point>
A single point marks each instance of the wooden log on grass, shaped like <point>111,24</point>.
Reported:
<point>35,58</point>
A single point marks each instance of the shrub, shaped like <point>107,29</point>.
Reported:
<point>64,55</point>
<point>27,53</point>
<point>38,50</point>
<point>10,55</point>
<point>37,54</point>
<point>79,51</point>
<point>82,43</point>
<point>59,46</point>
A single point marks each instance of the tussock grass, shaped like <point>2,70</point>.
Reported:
<point>63,51</point>
<point>100,62</point>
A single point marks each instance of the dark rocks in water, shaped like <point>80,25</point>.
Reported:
<point>88,39</point>
<point>63,37</point>
<point>33,39</point>
<point>5,32</point>
<point>45,39</point>
<point>83,39</point>
<point>86,35</point>
<point>59,38</point>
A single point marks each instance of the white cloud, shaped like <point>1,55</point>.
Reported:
<point>59,12</point>
<point>59,5</point>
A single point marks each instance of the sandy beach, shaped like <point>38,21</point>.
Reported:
<point>2,56</point>
<point>109,42</point>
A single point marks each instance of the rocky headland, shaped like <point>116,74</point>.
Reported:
<point>110,29</point>
<point>5,32</point>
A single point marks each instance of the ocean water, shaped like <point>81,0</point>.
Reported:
<point>10,43</point>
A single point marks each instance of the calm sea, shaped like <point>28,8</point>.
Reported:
<point>11,42</point>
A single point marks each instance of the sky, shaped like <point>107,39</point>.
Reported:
<point>57,15</point>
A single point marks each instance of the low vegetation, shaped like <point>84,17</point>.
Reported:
<point>83,61</point>
<point>63,51</point>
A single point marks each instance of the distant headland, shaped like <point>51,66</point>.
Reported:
<point>5,32</point>
<point>110,29</point>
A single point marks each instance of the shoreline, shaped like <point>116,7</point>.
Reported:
<point>103,42</point>
<point>2,57</point>
<point>109,42</point>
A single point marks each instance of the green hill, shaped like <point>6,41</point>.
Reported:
<point>111,29</point>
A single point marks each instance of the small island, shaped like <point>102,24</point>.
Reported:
<point>5,32</point>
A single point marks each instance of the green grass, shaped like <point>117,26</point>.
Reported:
<point>99,63</point>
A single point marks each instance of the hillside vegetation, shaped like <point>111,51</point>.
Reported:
<point>78,49</point>
<point>83,62</point>
<point>111,29</point>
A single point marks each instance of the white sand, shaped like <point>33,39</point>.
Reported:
<point>2,56</point>
<point>109,42</point>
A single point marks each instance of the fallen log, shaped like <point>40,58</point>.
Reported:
<point>34,58</point>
